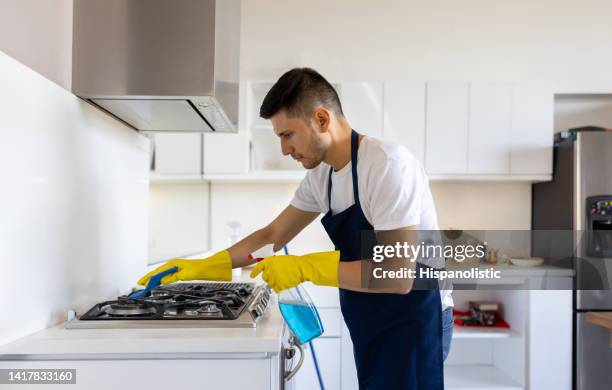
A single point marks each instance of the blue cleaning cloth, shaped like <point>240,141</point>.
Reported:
<point>154,281</point>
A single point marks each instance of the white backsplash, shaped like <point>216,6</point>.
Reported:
<point>460,205</point>
<point>73,217</point>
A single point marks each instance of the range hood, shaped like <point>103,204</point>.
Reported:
<point>159,65</point>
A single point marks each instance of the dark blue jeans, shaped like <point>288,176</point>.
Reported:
<point>447,331</point>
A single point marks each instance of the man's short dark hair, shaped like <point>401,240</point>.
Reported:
<point>298,92</point>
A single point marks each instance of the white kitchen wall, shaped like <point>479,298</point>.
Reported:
<point>254,206</point>
<point>178,220</point>
<point>482,205</point>
<point>583,110</point>
<point>73,204</point>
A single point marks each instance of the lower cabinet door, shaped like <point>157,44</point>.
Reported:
<point>328,355</point>
<point>349,371</point>
<point>162,374</point>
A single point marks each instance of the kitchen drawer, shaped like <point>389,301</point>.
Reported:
<point>332,322</point>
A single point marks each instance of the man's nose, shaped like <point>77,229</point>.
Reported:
<point>286,149</point>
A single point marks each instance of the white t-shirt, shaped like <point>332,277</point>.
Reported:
<point>393,190</point>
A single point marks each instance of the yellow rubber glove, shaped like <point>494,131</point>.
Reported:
<point>215,267</point>
<point>286,271</point>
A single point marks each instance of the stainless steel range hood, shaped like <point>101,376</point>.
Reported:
<point>159,65</point>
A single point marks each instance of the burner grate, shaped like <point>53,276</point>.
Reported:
<point>188,301</point>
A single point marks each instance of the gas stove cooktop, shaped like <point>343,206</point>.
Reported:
<point>189,305</point>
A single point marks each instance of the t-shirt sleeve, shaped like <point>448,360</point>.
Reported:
<point>304,198</point>
<point>396,194</point>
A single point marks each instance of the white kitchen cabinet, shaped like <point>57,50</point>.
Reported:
<point>229,153</point>
<point>550,338</point>
<point>457,129</point>
<point>532,129</point>
<point>158,373</point>
<point>489,129</point>
<point>535,354</point>
<point>328,352</point>
<point>446,139</point>
<point>404,115</point>
<point>362,104</point>
<point>178,153</point>
<point>489,138</point>
<point>349,371</point>
<point>328,346</point>
<point>332,321</point>
<point>225,153</point>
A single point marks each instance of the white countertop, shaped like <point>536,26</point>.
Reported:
<point>96,343</point>
<point>57,342</point>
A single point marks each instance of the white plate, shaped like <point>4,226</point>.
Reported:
<point>526,261</point>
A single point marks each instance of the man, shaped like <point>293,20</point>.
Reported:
<point>363,184</point>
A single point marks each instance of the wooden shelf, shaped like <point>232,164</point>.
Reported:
<point>477,377</point>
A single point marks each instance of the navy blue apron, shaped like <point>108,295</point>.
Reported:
<point>397,338</point>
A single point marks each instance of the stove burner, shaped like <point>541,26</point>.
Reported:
<point>206,309</point>
<point>195,309</point>
<point>127,308</point>
<point>160,294</point>
<point>209,307</point>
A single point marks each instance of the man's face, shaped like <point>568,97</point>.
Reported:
<point>299,139</point>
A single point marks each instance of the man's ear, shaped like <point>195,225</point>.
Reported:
<point>322,118</point>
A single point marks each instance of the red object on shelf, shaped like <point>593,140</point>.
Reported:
<point>499,322</point>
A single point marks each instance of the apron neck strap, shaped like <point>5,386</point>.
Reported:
<point>354,150</point>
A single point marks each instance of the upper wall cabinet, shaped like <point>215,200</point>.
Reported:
<point>362,103</point>
<point>404,115</point>
<point>177,154</point>
<point>265,154</point>
<point>489,128</point>
<point>446,141</point>
<point>225,153</point>
<point>229,153</point>
<point>532,129</point>
<point>458,130</point>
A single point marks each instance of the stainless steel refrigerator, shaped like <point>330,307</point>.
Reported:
<point>577,205</point>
